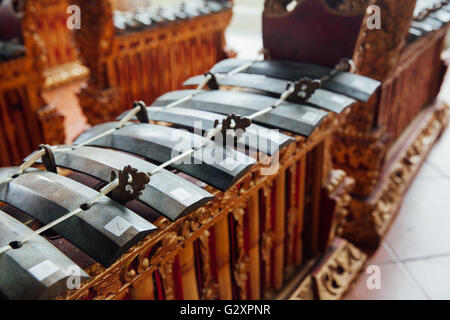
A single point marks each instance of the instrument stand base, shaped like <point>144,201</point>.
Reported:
<point>370,218</point>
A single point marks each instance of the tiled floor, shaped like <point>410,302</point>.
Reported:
<point>415,256</point>
<point>66,102</point>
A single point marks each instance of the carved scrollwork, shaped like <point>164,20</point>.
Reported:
<point>169,242</point>
<point>378,51</point>
<point>368,222</point>
<point>235,123</point>
<point>332,279</point>
<point>305,88</point>
<point>110,284</point>
<point>195,221</point>
<point>131,184</point>
<point>361,154</point>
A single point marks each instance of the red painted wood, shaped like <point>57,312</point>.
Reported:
<point>311,33</point>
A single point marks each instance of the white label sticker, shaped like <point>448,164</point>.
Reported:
<point>358,83</point>
<point>229,164</point>
<point>118,226</point>
<point>310,117</point>
<point>43,270</point>
<point>180,194</point>
<point>275,136</point>
<point>338,99</point>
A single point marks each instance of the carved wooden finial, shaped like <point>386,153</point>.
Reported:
<point>305,88</point>
<point>131,184</point>
<point>233,122</point>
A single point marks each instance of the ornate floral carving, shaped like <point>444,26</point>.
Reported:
<point>332,279</point>
<point>168,243</point>
<point>110,284</point>
<point>23,78</point>
<point>367,222</point>
<point>362,155</point>
<point>378,50</point>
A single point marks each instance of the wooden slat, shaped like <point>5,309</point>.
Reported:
<point>187,264</point>
<point>223,258</point>
<point>301,182</point>
<point>143,289</point>
<point>318,164</point>
<point>279,228</point>
<point>254,250</point>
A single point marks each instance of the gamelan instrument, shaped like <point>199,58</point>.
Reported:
<point>25,119</point>
<point>146,51</point>
<point>221,191</point>
<point>386,138</point>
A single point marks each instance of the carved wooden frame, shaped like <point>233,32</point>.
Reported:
<point>132,275</point>
<point>25,74</point>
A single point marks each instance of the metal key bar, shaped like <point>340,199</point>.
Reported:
<point>255,137</point>
<point>104,230</point>
<point>161,144</point>
<point>346,83</point>
<point>38,270</point>
<point>166,192</point>
<point>295,118</point>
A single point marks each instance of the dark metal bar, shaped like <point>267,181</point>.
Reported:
<point>215,165</point>
<point>292,117</point>
<point>105,231</point>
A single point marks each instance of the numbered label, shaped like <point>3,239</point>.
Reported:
<point>118,226</point>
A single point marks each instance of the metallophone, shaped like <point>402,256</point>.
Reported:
<point>25,119</point>
<point>209,230</point>
<point>48,20</point>
<point>143,59</point>
<point>384,141</point>
<point>146,52</point>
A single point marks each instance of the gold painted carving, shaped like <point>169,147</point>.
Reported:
<point>333,278</point>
